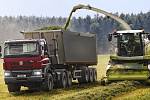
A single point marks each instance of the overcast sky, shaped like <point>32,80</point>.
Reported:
<point>63,7</point>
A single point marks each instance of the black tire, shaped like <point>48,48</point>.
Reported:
<point>69,79</point>
<point>94,75</point>
<point>13,88</point>
<point>104,81</point>
<point>91,75</point>
<point>34,88</point>
<point>48,83</point>
<point>62,83</point>
<point>80,80</point>
<point>84,76</point>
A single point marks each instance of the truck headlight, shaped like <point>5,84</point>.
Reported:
<point>37,72</point>
<point>7,73</point>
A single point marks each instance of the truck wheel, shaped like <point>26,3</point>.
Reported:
<point>69,79</point>
<point>34,87</point>
<point>48,83</point>
<point>13,88</point>
<point>94,75</point>
<point>91,75</point>
<point>63,80</point>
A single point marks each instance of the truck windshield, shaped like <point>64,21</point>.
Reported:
<point>29,48</point>
<point>130,45</point>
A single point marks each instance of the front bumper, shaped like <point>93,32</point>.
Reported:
<point>23,80</point>
<point>22,77</point>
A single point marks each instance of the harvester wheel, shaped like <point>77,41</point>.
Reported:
<point>69,79</point>
<point>104,81</point>
<point>48,83</point>
<point>13,88</point>
<point>84,76</point>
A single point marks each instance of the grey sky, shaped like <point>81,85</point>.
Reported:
<point>63,7</point>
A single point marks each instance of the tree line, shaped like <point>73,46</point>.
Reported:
<point>11,26</point>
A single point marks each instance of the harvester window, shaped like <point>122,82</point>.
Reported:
<point>130,45</point>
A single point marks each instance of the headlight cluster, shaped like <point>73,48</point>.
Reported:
<point>7,73</point>
<point>37,72</point>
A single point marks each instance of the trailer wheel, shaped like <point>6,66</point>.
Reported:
<point>91,75</point>
<point>13,88</point>
<point>94,75</point>
<point>48,83</point>
<point>69,79</point>
<point>84,76</point>
<point>62,83</point>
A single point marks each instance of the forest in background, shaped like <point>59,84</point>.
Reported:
<point>10,26</point>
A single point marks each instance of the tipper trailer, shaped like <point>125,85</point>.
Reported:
<point>48,59</point>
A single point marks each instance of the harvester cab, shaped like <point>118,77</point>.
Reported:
<point>129,43</point>
<point>128,62</point>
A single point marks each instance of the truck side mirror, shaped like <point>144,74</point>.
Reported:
<point>45,53</point>
<point>0,51</point>
<point>148,36</point>
<point>109,37</point>
<point>45,47</point>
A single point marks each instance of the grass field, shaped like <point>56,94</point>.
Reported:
<point>142,93</point>
<point>80,92</point>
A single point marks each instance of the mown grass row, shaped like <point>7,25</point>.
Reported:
<point>142,93</point>
<point>108,92</point>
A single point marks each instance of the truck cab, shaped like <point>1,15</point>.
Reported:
<point>24,61</point>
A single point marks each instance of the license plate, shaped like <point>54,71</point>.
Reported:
<point>21,76</point>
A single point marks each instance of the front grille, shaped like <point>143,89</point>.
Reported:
<point>21,67</point>
<point>15,63</point>
<point>26,65</point>
<point>27,73</point>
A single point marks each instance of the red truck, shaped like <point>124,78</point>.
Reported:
<point>48,59</point>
